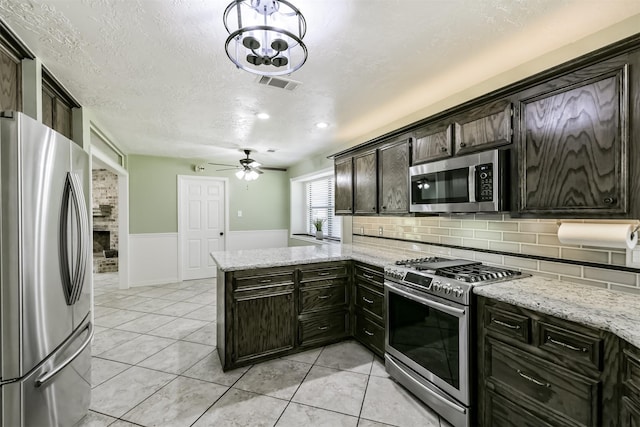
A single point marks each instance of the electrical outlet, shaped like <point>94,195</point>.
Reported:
<point>379,231</point>
<point>239,214</point>
<point>633,258</point>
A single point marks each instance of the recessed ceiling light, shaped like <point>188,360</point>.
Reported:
<point>322,125</point>
<point>263,116</point>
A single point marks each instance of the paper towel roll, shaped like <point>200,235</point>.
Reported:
<point>605,235</point>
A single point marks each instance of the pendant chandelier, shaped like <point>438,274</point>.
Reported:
<point>265,36</point>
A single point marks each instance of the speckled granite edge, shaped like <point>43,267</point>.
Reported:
<point>278,257</point>
<point>616,312</point>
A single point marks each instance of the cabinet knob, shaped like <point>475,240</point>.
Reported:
<point>384,207</point>
<point>463,144</point>
<point>373,209</point>
<point>443,149</point>
<point>609,200</point>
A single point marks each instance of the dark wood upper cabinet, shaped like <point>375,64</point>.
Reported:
<point>57,106</point>
<point>10,82</point>
<point>344,186</point>
<point>574,142</point>
<point>432,142</point>
<point>365,192</point>
<point>483,127</point>
<point>393,172</point>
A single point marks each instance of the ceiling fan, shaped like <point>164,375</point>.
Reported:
<point>249,169</point>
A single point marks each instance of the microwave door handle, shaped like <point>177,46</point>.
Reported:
<point>472,184</point>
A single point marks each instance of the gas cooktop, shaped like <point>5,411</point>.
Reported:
<point>451,279</point>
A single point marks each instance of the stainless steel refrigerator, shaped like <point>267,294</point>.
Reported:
<point>45,276</point>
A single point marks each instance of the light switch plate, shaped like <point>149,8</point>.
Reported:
<point>239,214</point>
<point>633,257</point>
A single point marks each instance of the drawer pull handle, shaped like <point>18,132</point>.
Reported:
<point>565,345</point>
<point>505,324</point>
<point>368,301</point>
<point>367,276</point>
<point>265,281</point>
<point>324,273</point>
<point>323,328</point>
<point>324,296</point>
<point>367,332</point>
<point>533,380</point>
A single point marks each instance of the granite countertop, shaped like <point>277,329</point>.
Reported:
<point>613,311</point>
<point>274,257</point>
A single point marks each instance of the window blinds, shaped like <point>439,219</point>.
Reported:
<point>320,204</point>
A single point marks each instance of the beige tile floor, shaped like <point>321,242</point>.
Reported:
<point>154,364</point>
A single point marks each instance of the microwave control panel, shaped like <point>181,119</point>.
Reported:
<point>484,182</point>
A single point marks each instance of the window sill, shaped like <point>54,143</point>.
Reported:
<point>311,239</point>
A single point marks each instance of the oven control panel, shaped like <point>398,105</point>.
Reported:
<point>429,283</point>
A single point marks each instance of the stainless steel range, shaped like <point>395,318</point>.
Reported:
<point>429,329</point>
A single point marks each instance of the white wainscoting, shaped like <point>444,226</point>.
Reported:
<point>257,239</point>
<point>153,258</point>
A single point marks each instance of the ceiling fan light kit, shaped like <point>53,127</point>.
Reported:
<point>265,36</point>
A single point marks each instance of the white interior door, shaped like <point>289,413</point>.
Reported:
<point>201,213</point>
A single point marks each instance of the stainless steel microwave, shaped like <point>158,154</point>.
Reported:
<point>472,183</point>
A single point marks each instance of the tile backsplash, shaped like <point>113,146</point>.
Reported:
<point>514,238</point>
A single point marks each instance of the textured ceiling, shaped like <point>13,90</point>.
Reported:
<point>155,74</point>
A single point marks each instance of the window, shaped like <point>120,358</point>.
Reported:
<point>320,205</point>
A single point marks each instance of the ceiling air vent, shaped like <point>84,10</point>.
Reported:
<point>278,82</point>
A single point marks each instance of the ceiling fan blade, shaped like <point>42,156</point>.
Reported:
<point>273,169</point>
<point>223,164</point>
<point>257,170</point>
<point>227,169</point>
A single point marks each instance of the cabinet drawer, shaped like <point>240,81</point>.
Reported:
<point>569,396</point>
<point>324,272</point>
<point>366,275</point>
<point>570,345</point>
<point>369,333</point>
<point>370,301</point>
<point>323,328</point>
<point>501,412</point>
<point>508,324</point>
<point>629,413</point>
<point>322,298</point>
<point>261,280</point>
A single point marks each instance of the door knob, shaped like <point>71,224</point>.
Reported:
<point>221,233</point>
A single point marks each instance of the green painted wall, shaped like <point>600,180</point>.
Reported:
<point>153,194</point>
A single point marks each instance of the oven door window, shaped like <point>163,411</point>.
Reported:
<point>451,186</point>
<point>427,336</point>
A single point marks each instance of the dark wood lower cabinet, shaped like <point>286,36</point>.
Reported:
<point>538,370</point>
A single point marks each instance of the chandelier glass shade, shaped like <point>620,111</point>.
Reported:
<point>265,36</point>
<point>247,174</point>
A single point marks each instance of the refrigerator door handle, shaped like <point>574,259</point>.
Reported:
<point>47,376</point>
<point>73,275</point>
<point>82,225</point>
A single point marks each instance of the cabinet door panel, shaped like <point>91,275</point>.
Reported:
<point>574,143</point>
<point>10,83</point>
<point>500,412</point>
<point>321,328</point>
<point>432,143</point>
<point>365,177</point>
<point>394,178</point>
<point>630,413</point>
<point>264,324</point>
<point>368,332</point>
<point>344,186</point>
<point>485,127</point>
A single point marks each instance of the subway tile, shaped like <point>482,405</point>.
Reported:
<point>475,243</point>
<point>539,227</point>
<point>540,274</point>
<point>611,276</point>
<point>503,226</point>
<point>450,223</point>
<point>519,237</point>
<point>463,216</point>
<point>548,251</point>
<point>628,289</point>
<point>427,222</point>
<point>618,258</point>
<point>505,247</point>
<point>512,261</point>
<point>488,235</point>
<point>462,253</point>
<point>561,268</point>
<point>584,282</point>
<point>476,225</point>
<point>585,255</point>
<point>439,231</point>
<point>489,216</point>
<point>492,258</point>
<point>428,238</point>
<point>447,240</point>
<point>461,232</point>
<point>549,239</point>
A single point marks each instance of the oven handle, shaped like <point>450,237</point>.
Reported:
<point>458,312</point>
<point>452,405</point>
